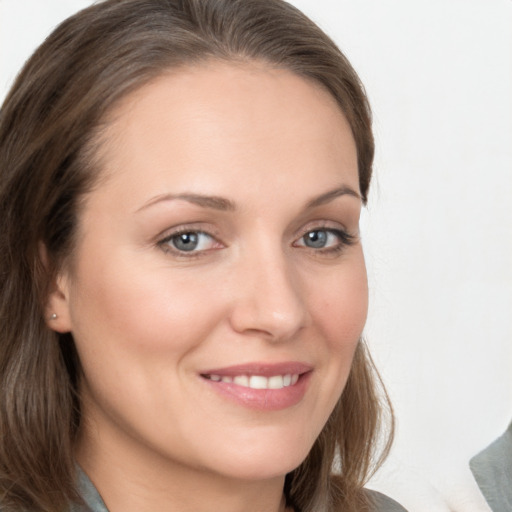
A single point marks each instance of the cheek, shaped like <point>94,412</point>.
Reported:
<point>134,309</point>
<point>135,331</point>
<point>134,326</point>
<point>339,309</point>
<point>340,305</point>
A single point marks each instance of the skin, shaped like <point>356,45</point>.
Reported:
<point>148,319</point>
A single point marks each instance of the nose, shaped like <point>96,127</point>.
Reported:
<point>268,299</point>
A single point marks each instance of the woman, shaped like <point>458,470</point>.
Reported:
<point>183,285</point>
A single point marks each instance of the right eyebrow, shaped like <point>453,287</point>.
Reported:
<point>213,202</point>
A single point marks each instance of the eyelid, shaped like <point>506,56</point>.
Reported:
<point>187,227</point>
<point>326,225</point>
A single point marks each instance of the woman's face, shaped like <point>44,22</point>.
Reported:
<point>218,287</point>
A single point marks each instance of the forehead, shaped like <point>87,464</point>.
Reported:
<point>247,117</point>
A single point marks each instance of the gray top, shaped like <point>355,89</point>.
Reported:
<point>492,469</point>
<point>92,498</point>
<point>94,503</point>
<point>382,503</point>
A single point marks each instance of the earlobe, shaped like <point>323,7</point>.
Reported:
<point>58,316</point>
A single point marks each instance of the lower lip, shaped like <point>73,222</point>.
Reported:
<point>263,399</point>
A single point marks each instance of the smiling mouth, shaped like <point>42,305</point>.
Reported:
<point>257,381</point>
<point>261,386</point>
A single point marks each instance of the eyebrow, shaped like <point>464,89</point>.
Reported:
<point>223,204</point>
<point>213,202</point>
<point>331,195</point>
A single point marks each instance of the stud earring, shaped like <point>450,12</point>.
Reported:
<point>53,316</point>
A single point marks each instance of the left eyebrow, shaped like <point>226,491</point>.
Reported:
<point>331,195</point>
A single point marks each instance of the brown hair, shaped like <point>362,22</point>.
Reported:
<point>49,124</point>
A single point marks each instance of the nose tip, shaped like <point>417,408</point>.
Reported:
<point>269,303</point>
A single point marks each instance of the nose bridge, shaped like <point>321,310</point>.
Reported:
<point>270,298</point>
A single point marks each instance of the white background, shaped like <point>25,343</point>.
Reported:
<point>438,230</point>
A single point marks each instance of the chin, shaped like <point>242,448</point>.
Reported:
<point>255,470</point>
<point>263,460</point>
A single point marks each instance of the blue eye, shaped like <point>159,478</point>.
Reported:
<point>190,241</point>
<point>325,239</point>
<point>317,239</point>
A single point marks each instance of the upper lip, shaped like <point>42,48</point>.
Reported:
<point>263,369</point>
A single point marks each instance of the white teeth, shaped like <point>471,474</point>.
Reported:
<point>275,382</point>
<point>241,380</point>
<point>258,381</point>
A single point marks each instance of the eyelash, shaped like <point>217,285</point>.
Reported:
<point>344,240</point>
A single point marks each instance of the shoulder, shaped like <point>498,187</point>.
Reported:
<point>382,503</point>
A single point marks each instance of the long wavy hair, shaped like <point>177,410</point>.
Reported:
<point>50,123</point>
